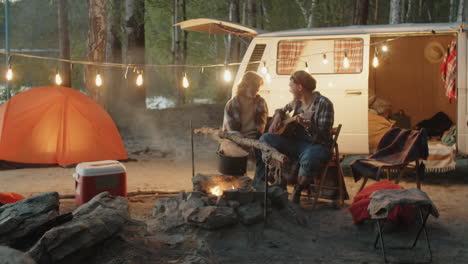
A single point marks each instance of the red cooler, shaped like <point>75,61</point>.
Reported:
<point>92,178</point>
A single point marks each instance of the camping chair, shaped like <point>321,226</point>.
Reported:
<point>327,170</point>
<point>399,150</point>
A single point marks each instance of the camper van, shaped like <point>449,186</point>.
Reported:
<point>398,64</point>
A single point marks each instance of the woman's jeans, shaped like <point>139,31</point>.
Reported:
<point>309,155</point>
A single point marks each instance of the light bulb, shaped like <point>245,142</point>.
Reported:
<point>346,62</point>
<point>98,80</point>
<point>9,74</point>
<point>264,69</point>
<point>268,78</point>
<point>139,80</point>
<point>185,82</point>
<point>58,79</point>
<point>324,60</point>
<point>227,75</point>
<point>375,62</point>
<point>384,48</point>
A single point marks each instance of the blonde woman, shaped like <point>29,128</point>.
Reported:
<point>247,112</point>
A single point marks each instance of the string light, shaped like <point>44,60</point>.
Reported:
<point>227,75</point>
<point>268,77</point>
<point>98,80</point>
<point>346,61</point>
<point>384,46</point>
<point>307,67</point>
<point>375,61</point>
<point>139,79</point>
<point>264,69</point>
<point>185,82</point>
<point>9,74</point>
<point>58,78</point>
<point>324,59</point>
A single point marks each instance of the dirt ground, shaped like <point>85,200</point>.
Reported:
<point>329,237</point>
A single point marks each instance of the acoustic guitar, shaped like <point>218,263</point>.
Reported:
<point>287,127</point>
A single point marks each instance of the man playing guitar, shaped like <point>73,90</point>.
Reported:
<point>308,139</point>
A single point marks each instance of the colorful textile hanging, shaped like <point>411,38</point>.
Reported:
<point>289,53</point>
<point>448,70</point>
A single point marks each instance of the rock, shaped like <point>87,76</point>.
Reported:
<point>24,217</point>
<point>221,202</point>
<point>167,206</point>
<point>212,217</point>
<point>13,256</point>
<point>233,204</point>
<point>250,213</point>
<point>201,182</point>
<point>194,201</point>
<point>94,222</point>
<point>245,184</point>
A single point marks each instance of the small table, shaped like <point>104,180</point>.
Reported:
<point>383,202</point>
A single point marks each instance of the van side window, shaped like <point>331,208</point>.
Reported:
<point>256,57</point>
<point>323,56</point>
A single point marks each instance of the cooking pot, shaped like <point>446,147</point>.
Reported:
<point>235,166</point>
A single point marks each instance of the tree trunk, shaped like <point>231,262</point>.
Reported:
<point>252,13</point>
<point>451,10</point>
<point>134,52</point>
<point>460,11</point>
<point>308,13</point>
<point>465,12</point>
<point>403,11</point>
<point>243,44</point>
<point>176,56</point>
<point>113,76</point>
<point>409,10</point>
<point>361,12</point>
<point>394,17</point>
<point>64,42</point>
<point>376,12</point>
<point>96,51</point>
<point>234,16</point>
<point>420,10</point>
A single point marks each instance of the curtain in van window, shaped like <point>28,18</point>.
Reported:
<point>353,50</point>
<point>289,53</point>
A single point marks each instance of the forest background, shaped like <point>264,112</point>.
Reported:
<point>141,32</point>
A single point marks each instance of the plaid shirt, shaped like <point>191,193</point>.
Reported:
<point>321,122</point>
<point>232,115</point>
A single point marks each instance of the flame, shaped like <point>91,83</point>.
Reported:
<point>232,187</point>
<point>216,191</point>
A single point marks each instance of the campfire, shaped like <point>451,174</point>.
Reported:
<point>216,190</point>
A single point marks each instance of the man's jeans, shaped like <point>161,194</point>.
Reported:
<point>309,155</point>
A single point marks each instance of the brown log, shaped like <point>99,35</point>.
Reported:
<point>246,142</point>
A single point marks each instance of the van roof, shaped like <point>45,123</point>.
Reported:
<point>372,29</point>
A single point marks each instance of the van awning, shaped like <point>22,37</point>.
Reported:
<point>217,27</point>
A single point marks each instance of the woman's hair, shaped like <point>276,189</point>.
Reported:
<point>305,79</point>
<point>249,79</point>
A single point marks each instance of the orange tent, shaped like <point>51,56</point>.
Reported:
<point>57,125</point>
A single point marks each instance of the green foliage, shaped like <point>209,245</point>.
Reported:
<point>33,25</point>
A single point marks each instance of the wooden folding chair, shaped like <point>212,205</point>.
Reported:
<point>334,162</point>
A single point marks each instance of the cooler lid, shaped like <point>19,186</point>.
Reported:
<point>103,167</point>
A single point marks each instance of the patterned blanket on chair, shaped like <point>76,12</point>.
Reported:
<point>397,146</point>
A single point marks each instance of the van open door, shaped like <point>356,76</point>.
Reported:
<point>217,27</point>
<point>462,90</point>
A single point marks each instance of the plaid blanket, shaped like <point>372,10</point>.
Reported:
<point>397,147</point>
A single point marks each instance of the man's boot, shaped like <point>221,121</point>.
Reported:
<point>296,195</point>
